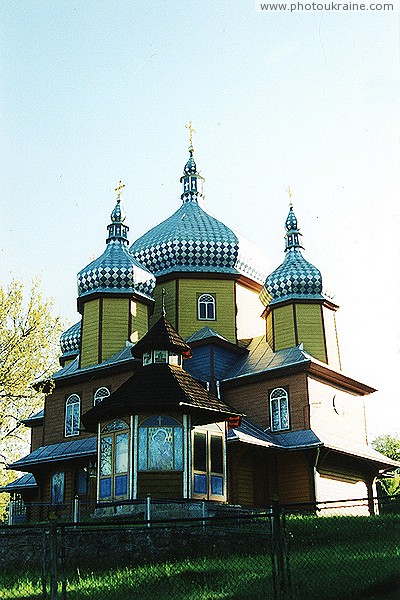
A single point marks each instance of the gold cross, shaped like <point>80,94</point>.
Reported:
<point>191,130</point>
<point>289,191</point>
<point>119,188</point>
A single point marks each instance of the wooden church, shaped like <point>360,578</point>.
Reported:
<point>194,376</point>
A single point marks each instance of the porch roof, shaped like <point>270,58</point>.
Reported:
<point>25,482</point>
<point>57,452</point>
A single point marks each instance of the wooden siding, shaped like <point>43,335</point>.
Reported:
<point>284,332</point>
<point>170,302</point>
<point>333,488</point>
<point>36,437</point>
<point>253,400</point>
<point>270,329</point>
<point>295,478</point>
<point>162,485</point>
<point>115,319</point>
<point>223,292</point>
<point>310,330</point>
<point>336,412</point>
<point>90,333</point>
<point>332,344</point>
<point>55,404</point>
<point>139,320</point>
<point>249,308</point>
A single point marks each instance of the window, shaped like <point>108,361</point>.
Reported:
<point>208,464</point>
<point>57,487</point>
<point>160,445</point>
<point>114,460</point>
<point>206,307</point>
<point>72,415</point>
<point>279,409</point>
<point>100,394</point>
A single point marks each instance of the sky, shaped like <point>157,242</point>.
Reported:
<point>94,92</point>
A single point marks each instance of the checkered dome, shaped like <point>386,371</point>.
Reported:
<point>69,340</point>
<point>191,240</point>
<point>116,271</point>
<point>295,278</point>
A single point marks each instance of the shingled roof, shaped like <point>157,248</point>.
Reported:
<point>162,336</point>
<point>160,388</point>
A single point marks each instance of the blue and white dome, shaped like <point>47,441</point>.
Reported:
<point>191,240</point>
<point>116,270</point>
<point>295,278</point>
<point>70,341</point>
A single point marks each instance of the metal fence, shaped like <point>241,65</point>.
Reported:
<point>328,551</point>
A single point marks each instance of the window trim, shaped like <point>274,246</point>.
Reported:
<point>112,430</point>
<point>284,395</point>
<point>201,300</point>
<point>68,402</point>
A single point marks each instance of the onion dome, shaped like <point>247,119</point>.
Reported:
<point>70,341</point>
<point>116,270</point>
<point>191,240</point>
<point>295,278</point>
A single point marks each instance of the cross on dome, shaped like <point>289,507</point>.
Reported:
<point>119,189</point>
<point>191,132</point>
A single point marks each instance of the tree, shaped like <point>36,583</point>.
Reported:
<point>389,445</point>
<point>29,336</point>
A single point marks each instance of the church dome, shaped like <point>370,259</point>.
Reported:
<point>70,340</point>
<point>295,278</point>
<point>116,270</point>
<point>191,240</point>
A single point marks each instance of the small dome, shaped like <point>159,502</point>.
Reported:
<point>295,278</point>
<point>70,341</point>
<point>116,270</point>
<point>190,167</point>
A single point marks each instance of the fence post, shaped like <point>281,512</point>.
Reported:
<point>76,510</point>
<point>279,550</point>
<point>10,512</point>
<point>53,563</point>
<point>148,511</point>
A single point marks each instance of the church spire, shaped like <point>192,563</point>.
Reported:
<point>117,231</point>
<point>192,181</point>
<point>292,237</point>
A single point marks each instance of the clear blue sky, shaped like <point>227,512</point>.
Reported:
<point>93,92</point>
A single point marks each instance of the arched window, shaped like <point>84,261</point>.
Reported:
<point>114,461</point>
<point>206,307</point>
<point>72,415</point>
<point>160,445</point>
<point>100,394</point>
<point>279,409</point>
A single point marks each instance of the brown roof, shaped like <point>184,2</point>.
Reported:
<point>160,387</point>
<point>162,336</point>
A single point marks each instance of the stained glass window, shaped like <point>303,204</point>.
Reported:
<point>160,445</point>
<point>72,415</point>
<point>279,407</point>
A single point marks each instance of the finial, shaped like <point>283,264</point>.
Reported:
<point>191,132</point>
<point>289,191</point>
<point>119,189</point>
<point>163,302</point>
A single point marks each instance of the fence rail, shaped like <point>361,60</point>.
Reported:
<point>328,551</point>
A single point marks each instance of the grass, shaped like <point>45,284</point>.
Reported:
<point>354,558</point>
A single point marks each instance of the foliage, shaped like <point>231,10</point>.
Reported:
<point>389,445</point>
<point>28,348</point>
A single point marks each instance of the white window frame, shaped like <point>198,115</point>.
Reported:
<point>73,401</point>
<point>279,402</point>
<point>207,300</point>
<point>97,398</point>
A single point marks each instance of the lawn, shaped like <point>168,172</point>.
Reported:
<point>330,559</point>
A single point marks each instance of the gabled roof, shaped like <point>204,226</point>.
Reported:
<point>204,334</point>
<point>159,387</point>
<point>56,453</point>
<point>162,336</point>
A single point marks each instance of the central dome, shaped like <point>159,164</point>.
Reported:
<point>191,240</point>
